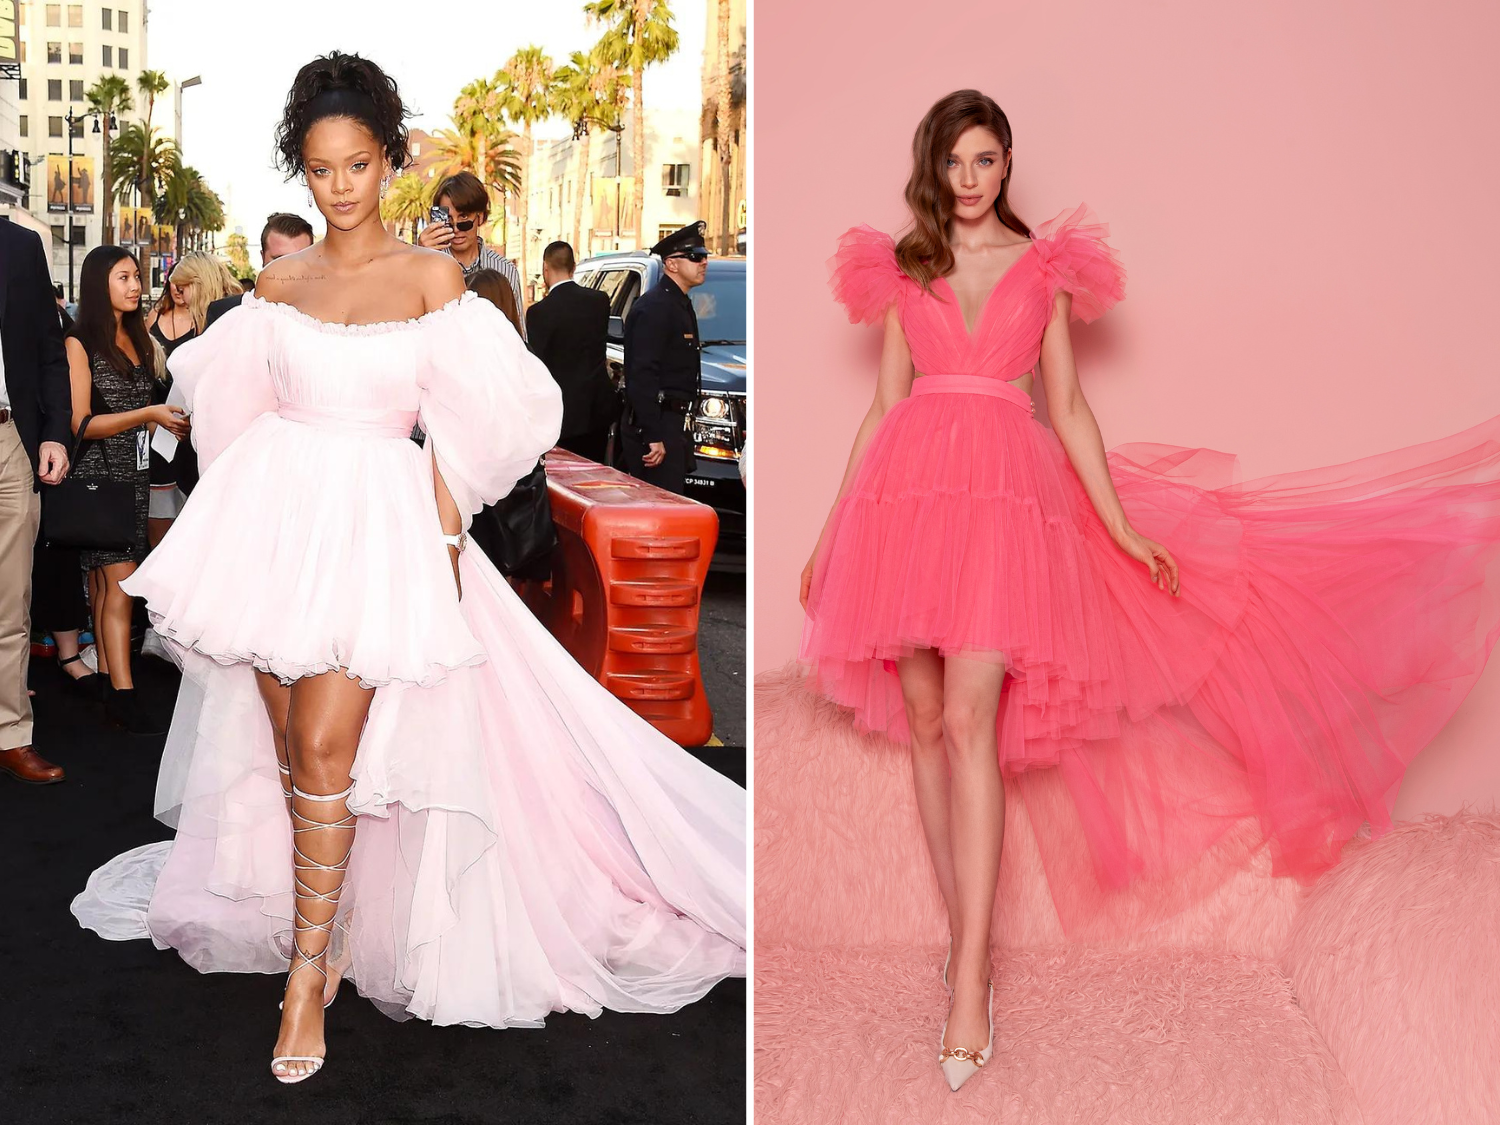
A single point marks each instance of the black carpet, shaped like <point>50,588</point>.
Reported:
<point>120,1032</point>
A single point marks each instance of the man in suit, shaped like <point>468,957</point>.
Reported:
<point>36,427</point>
<point>567,330</point>
<point>283,234</point>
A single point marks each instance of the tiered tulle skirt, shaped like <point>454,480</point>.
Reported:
<point>1330,622</point>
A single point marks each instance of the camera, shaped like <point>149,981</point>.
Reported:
<point>439,215</point>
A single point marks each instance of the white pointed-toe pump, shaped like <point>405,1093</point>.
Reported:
<point>959,1064</point>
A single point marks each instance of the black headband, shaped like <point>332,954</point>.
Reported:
<point>343,101</point>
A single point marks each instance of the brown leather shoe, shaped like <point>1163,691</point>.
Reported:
<point>25,764</point>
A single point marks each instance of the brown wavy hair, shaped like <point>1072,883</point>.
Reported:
<point>925,252</point>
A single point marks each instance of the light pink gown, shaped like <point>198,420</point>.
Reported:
<point>526,843</point>
<point>1330,621</point>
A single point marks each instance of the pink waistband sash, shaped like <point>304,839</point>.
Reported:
<point>972,385</point>
<point>350,420</point>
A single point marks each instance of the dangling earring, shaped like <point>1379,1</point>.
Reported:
<point>311,202</point>
<point>385,183</point>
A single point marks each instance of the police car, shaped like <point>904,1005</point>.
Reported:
<point>719,418</point>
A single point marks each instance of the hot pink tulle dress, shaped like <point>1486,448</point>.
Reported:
<point>525,843</point>
<point>1330,621</point>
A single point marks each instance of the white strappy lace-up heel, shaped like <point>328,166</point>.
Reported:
<point>302,865</point>
<point>959,1064</point>
<point>335,966</point>
<point>948,960</point>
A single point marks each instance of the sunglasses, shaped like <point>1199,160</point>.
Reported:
<point>464,224</point>
<point>696,254</point>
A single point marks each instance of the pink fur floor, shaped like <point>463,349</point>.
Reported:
<point>1081,1036</point>
<point>1374,997</point>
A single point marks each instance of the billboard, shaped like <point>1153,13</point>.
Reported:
<point>612,198</point>
<point>82,180</point>
<point>135,226</point>
<point>161,241</point>
<point>10,50</point>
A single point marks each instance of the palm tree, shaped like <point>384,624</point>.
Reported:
<point>150,83</point>
<point>147,162</point>
<point>526,85</point>
<point>407,200</point>
<point>726,128</point>
<point>458,150</point>
<point>590,92</point>
<point>191,205</point>
<point>479,112</point>
<point>107,97</point>
<point>640,33</point>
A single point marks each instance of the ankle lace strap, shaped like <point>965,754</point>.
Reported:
<point>303,865</point>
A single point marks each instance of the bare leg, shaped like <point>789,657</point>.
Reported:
<point>96,613</point>
<point>921,676</point>
<point>112,625</point>
<point>278,700</point>
<point>156,530</point>
<point>324,719</point>
<point>67,647</point>
<point>971,701</point>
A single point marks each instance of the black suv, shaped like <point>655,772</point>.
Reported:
<point>720,417</point>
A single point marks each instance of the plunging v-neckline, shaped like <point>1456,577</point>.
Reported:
<point>989,299</point>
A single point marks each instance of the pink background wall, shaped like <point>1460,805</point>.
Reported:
<point>1303,194</point>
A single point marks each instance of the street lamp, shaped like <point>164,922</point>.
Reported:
<point>72,119</point>
<point>185,84</point>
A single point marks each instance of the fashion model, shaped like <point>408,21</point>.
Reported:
<point>381,767</point>
<point>1167,664</point>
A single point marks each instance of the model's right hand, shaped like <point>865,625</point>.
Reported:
<point>656,453</point>
<point>435,236</point>
<point>807,573</point>
<point>173,418</point>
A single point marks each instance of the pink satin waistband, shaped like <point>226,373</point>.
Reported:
<point>371,423</point>
<point>972,385</point>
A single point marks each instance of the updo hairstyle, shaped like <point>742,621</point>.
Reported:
<point>340,85</point>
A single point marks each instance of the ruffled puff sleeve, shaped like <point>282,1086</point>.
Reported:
<point>864,275</point>
<point>223,378</point>
<point>489,407</point>
<point>1076,259</point>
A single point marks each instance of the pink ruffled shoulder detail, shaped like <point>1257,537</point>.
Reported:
<point>1076,258</point>
<point>863,274</point>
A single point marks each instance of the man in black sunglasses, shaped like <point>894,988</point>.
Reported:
<point>468,206</point>
<point>662,365</point>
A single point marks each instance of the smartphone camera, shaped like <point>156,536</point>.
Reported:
<point>439,215</point>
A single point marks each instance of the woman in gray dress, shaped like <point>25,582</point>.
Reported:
<point>111,364</point>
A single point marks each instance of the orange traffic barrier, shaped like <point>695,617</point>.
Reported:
<point>627,578</point>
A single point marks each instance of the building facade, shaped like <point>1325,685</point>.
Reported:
<point>65,48</point>
<point>725,205</point>
<point>603,222</point>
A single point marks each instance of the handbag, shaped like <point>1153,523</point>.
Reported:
<point>517,531</point>
<point>93,515</point>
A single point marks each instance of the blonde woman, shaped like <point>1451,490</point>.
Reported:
<point>179,316</point>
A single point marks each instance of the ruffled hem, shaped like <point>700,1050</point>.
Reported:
<point>289,671</point>
<point>374,328</point>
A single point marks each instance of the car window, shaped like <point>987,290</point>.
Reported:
<point>720,305</point>
<point>625,296</point>
<point>609,283</point>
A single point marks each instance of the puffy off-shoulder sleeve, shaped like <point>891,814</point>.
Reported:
<point>1076,259</point>
<point>863,274</point>
<point>223,378</point>
<point>490,408</point>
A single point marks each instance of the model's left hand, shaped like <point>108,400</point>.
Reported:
<point>1157,558</point>
<point>52,462</point>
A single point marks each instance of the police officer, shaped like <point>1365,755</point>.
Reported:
<point>662,365</point>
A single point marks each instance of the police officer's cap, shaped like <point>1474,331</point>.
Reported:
<point>688,240</point>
